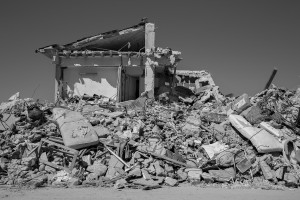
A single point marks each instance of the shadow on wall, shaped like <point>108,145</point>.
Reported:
<point>91,80</point>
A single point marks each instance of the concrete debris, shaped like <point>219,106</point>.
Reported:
<point>202,137</point>
<point>170,181</point>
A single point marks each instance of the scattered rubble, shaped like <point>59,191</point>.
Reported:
<point>203,138</point>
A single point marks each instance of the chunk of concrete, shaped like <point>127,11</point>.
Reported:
<point>194,173</point>
<point>75,130</point>
<point>97,168</point>
<point>170,181</point>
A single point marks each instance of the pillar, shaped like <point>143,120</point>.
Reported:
<point>149,67</point>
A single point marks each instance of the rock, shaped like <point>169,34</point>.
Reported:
<point>244,165</point>
<point>219,128</point>
<point>142,181</point>
<point>102,131</point>
<point>159,171</point>
<point>44,178</point>
<point>228,157</point>
<point>146,162</point>
<point>50,178</point>
<point>297,155</point>
<point>207,177</point>
<point>156,130</point>
<point>74,182</point>
<point>35,183</point>
<point>151,169</point>
<point>112,165</point>
<point>120,184</point>
<point>215,148</point>
<point>89,109</point>
<point>87,160</point>
<point>3,163</point>
<point>145,174</point>
<point>108,121</point>
<point>291,179</point>
<point>50,169</point>
<point>97,168</point>
<point>194,173</point>
<point>25,168</point>
<point>94,121</point>
<point>215,117</point>
<point>136,172</point>
<point>254,115</point>
<point>169,168</point>
<point>223,175</point>
<point>279,173</point>
<point>241,104</point>
<point>190,129</point>
<point>191,163</point>
<point>10,121</point>
<point>92,177</point>
<point>127,134</point>
<point>110,114</point>
<point>42,167</point>
<point>182,175</point>
<point>44,156</point>
<point>265,168</point>
<point>194,120</point>
<point>170,181</point>
<point>29,161</point>
<point>154,146</point>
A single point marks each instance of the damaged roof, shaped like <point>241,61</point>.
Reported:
<point>197,74</point>
<point>130,39</point>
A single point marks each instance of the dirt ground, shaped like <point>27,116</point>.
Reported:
<point>180,193</point>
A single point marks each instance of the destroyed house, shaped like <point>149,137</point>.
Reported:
<point>194,80</point>
<point>119,64</point>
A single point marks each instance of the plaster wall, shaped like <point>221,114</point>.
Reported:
<point>91,80</point>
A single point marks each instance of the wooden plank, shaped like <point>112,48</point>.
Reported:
<point>119,84</point>
<point>166,158</point>
<point>271,78</point>
<point>75,154</point>
<point>58,80</point>
<point>61,146</point>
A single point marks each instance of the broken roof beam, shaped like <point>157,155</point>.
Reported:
<point>128,39</point>
<point>271,79</point>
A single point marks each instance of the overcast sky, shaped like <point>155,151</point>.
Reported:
<point>238,41</point>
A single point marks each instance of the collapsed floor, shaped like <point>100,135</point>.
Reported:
<point>203,138</point>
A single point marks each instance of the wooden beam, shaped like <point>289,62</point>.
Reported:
<point>58,81</point>
<point>119,85</point>
<point>271,78</point>
<point>176,162</point>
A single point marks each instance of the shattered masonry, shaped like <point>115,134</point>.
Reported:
<point>250,142</point>
<point>179,129</point>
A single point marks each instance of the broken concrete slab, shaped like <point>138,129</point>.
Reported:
<point>75,130</point>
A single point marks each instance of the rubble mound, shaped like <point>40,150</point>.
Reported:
<point>201,138</point>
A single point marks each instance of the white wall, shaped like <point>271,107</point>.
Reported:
<point>91,80</point>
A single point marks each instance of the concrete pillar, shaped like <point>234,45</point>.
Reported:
<point>149,67</point>
<point>119,96</point>
<point>149,78</point>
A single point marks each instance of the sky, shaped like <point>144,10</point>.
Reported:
<point>238,41</point>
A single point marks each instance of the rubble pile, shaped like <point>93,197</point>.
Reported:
<point>202,138</point>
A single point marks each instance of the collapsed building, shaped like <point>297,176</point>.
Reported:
<point>203,138</point>
<point>119,64</point>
